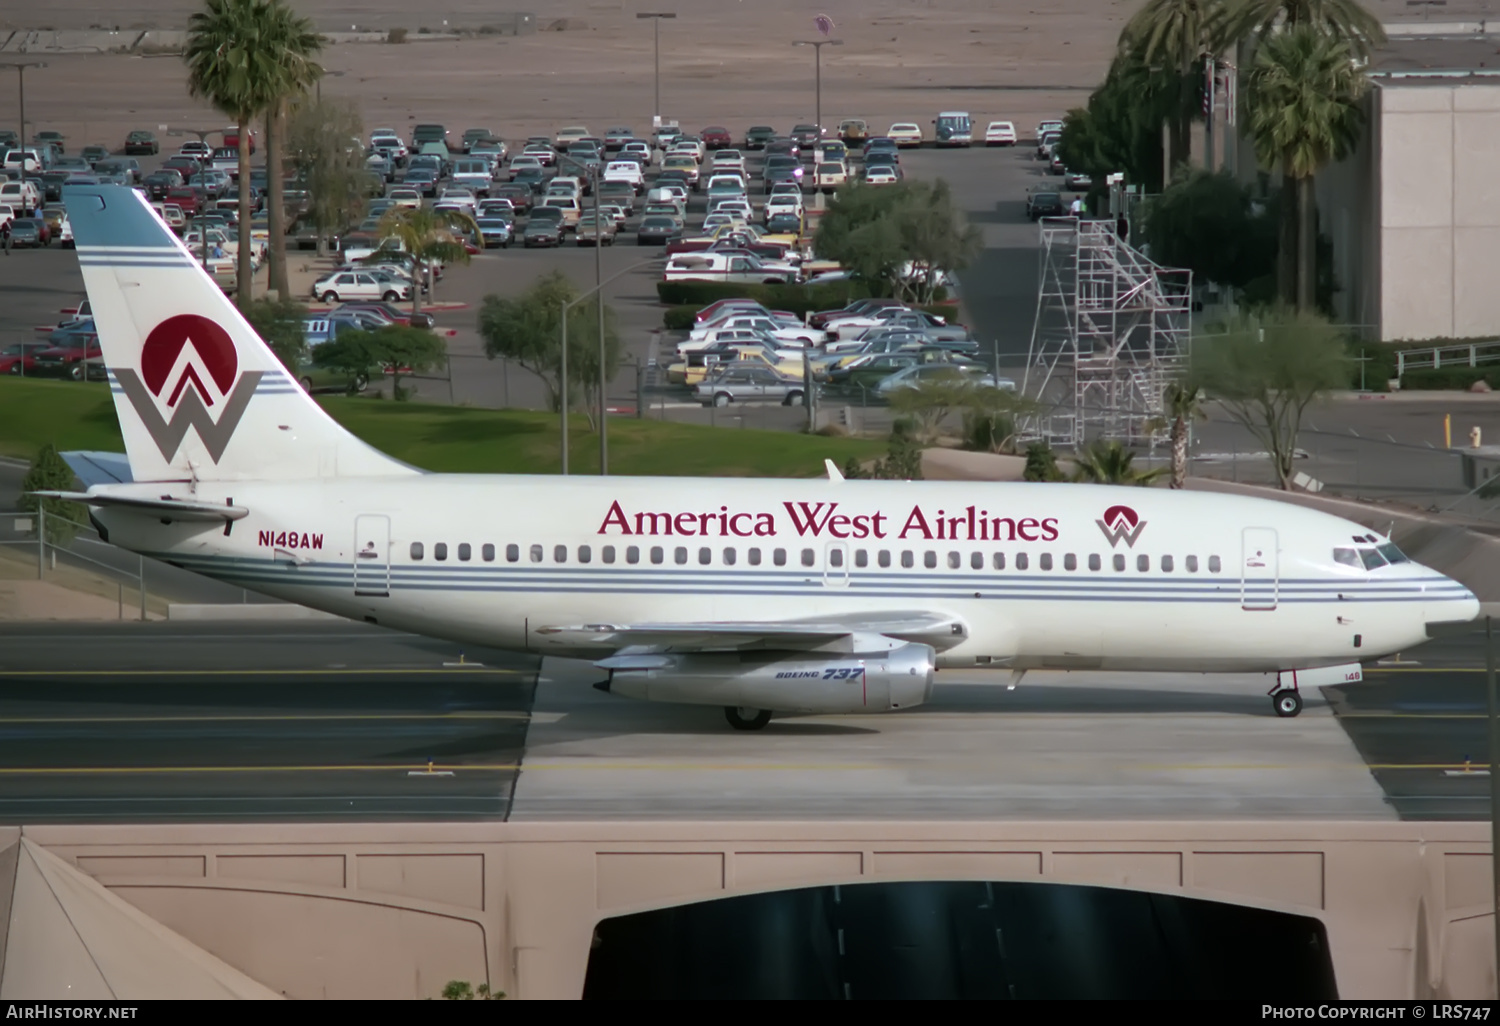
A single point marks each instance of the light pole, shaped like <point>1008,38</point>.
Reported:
<point>21,67</point>
<point>563,374</point>
<point>592,172</point>
<point>656,19</point>
<point>817,45</point>
<point>202,134</point>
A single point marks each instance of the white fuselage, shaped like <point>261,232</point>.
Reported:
<point>1198,582</point>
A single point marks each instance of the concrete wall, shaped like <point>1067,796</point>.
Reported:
<point>397,910</point>
<point>1438,201</point>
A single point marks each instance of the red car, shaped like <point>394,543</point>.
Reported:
<point>185,198</point>
<point>716,137</point>
<point>20,358</point>
<point>67,360</point>
<point>232,138</point>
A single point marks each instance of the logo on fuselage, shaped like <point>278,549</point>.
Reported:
<point>188,367</point>
<point>1121,523</point>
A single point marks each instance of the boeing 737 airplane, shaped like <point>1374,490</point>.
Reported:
<point>822,595</point>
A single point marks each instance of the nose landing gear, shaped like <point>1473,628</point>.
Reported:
<point>1286,701</point>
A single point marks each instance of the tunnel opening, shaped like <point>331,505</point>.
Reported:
<point>952,939</point>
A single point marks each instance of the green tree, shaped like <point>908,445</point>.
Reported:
<point>50,473</point>
<point>430,236</point>
<point>1041,463</point>
<point>329,163</point>
<point>399,349</point>
<point>528,330</point>
<point>1182,403</point>
<point>462,990</point>
<point>1207,223</point>
<point>903,236</point>
<point>1302,111</point>
<point>1120,129</point>
<point>1173,36</point>
<point>902,462</point>
<point>235,61</point>
<point>1344,19</point>
<point>1266,369</point>
<point>280,323</point>
<point>298,44</point>
<point>1106,461</point>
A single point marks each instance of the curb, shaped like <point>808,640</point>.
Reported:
<point>245,611</point>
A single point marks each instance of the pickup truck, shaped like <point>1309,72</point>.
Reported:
<point>65,357</point>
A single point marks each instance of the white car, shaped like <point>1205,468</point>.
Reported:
<point>614,212</point>
<point>1000,133</point>
<point>830,176</point>
<point>626,171</point>
<point>409,199</point>
<point>571,134</point>
<point>728,160</point>
<point>741,336</point>
<point>672,192</point>
<point>343,285</point>
<point>775,327</point>
<point>458,198</point>
<point>783,205</point>
<point>692,147</point>
<point>737,208</point>
<point>880,174</point>
<point>906,134</point>
<point>526,160</point>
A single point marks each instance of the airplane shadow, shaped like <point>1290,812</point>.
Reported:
<point>1062,698</point>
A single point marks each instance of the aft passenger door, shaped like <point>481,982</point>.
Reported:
<point>372,555</point>
<point>1258,569</point>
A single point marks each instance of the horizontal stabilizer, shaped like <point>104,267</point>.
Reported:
<point>99,467</point>
<point>165,507</point>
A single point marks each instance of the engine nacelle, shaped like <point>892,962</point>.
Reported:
<point>782,681</point>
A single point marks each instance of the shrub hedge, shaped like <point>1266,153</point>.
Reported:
<point>1450,378</point>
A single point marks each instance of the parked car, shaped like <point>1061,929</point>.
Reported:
<point>726,267</point>
<point>494,231</point>
<point>749,384</point>
<point>595,231</point>
<point>906,134</point>
<point>29,232</point>
<point>1044,204</point>
<point>20,357</point>
<point>141,142</point>
<point>65,355</point>
<point>830,176</point>
<point>341,285</point>
<point>716,137</point>
<point>916,376</point>
<point>395,314</point>
<point>542,231</point>
<point>1000,133</point>
<point>616,136</point>
<point>658,230</point>
<point>853,131</point>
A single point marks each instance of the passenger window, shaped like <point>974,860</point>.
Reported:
<point>440,550</point>
<point>416,550</point>
<point>536,554</point>
<point>955,560</point>
<point>1094,561</point>
<point>729,557</point>
<point>861,557</point>
<point>1372,558</point>
<point>585,553</point>
<point>632,554</point>
<point>1022,561</point>
<point>1213,564</point>
<point>976,560</point>
<point>1191,562</point>
<point>755,557</point>
<point>705,555</point>
<point>1348,557</point>
<point>885,557</point>
<point>658,555</point>
<point>607,554</point>
<point>1392,554</point>
<point>999,561</point>
<point>464,552</point>
<point>1045,561</point>
<point>1119,562</point>
<point>1070,562</point>
<point>778,556</point>
<point>512,553</point>
<point>807,557</point>
<point>679,555</point>
<point>929,559</point>
<point>559,553</point>
<point>908,558</point>
<point>835,556</point>
<point>1166,564</point>
<point>487,552</point>
<point>1143,563</point>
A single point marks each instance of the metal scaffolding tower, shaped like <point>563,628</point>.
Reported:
<point>1111,331</point>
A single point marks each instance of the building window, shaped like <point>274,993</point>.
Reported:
<point>884,559</point>
<point>632,554</point>
<point>658,554</point>
<point>464,552</point>
<point>755,557</point>
<point>1094,561</point>
<point>1045,561</point>
<point>1022,562</point>
<point>585,554</point>
<point>536,554</point>
<point>1166,564</point>
<point>1070,562</point>
<point>607,554</point>
<point>999,561</point>
<point>908,558</point>
<point>416,550</point>
<point>440,550</point>
<point>487,552</point>
<point>778,556</point>
<point>729,557</point>
<point>835,556</point>
<point>705,556</point>
<point>861,557</point>
<point>808,558</point>
<point>559,553</point>
<point>929,559</point>
<point>679,555</point>
<point>1119,562</point>
<point>512,553</point>
<point>1192,564</point>
<point>1214,566</point>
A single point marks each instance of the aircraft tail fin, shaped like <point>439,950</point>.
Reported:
<point>198,393</point>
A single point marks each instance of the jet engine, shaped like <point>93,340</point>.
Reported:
<point>784,681</point>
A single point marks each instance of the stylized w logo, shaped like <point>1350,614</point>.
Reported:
<point>190,412</point>
<point>1121,523</point>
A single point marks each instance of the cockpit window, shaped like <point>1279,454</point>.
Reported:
<point>1348,557</point>
<point>1372,558</point>
<point>1393,555</point>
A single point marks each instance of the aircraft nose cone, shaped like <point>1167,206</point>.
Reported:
<point>1449,604</point>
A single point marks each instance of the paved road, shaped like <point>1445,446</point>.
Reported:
<point>217,722</point>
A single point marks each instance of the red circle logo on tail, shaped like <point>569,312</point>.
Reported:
<point>211,343</point>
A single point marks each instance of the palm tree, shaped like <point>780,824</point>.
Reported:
<point>235,61</point>
<point>1182,403</point>
<point>1109,462</point>
<point>429,236</point>
<point>298,44</point>
<point>1345,19</point>
<point>1172,36</point>
<point>1302,110</point>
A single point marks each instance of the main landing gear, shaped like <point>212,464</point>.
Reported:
<point>1287,701</point>
<point>745,718</point>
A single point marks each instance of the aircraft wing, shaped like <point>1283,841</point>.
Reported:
<point>165,507</point>
<point>873,632</point>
